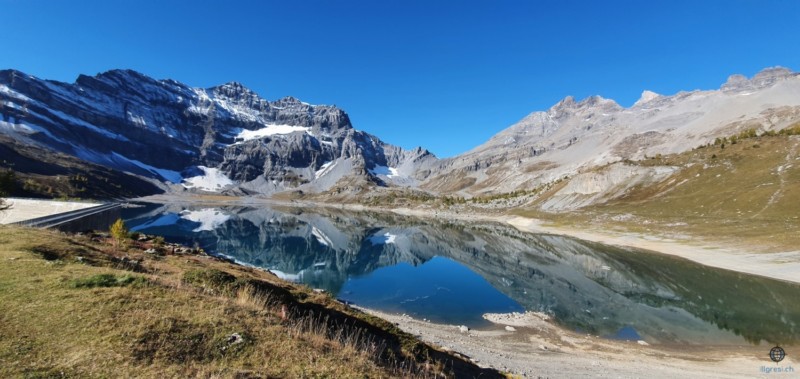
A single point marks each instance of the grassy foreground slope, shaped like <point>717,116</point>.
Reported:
<point>76,306</point>
<point>747,193</point>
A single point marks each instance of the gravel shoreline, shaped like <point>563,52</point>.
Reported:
<point>531,346</point>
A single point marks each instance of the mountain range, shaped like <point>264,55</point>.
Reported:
<point>156,136</point>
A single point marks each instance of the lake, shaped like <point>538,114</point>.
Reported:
<point>453,272</point>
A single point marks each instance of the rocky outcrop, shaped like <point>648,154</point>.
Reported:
<point>169,131</point>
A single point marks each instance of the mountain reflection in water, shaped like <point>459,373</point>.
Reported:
<point>454,272</point>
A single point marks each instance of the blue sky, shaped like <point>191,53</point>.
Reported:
<point>445,75</point>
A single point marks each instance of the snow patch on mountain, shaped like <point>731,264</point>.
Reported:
<point>239,111</point>
<point>320,236</point>
<point>208,218</point>
<point>324,169</point>
<point>212,180</point>
<point>270,130</point>
<point>389,172</point>
<point>10,92</point>
<point>19,128</point>
<point>382,239</point>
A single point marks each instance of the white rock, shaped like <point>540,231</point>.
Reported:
<point>510,328</point>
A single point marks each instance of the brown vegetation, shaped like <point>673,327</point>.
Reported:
<point>76,306</point>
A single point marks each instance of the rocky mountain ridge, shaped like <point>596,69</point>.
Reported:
<point>589,141</point>
<point>220,139</point>
<point>227,139</point>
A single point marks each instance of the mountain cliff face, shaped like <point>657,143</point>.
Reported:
<point>224,138</point>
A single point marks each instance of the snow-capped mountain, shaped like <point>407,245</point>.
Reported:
<point>224,138</point>
<point>574,138</point>
<point>228,139</point>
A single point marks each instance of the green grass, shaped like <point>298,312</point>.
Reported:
<point>74,306</point>
<point>733,195</point>
<point>108,280</point>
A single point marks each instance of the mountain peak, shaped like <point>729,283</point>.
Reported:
<point>233,85</point>
<point>123,73</point>
<point>289,100</point>
<point>646,97</point>
<point>735,80</point>
<point>763,79</point>
<point>237,92</point>
<point>774,72</point>
<point>597,100</point>
<point>569,104</point>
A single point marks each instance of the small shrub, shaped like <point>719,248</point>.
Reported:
<point>250,296</point>
<point>179,341</point>
<point>108,280</point>
<point>210,278</point>
<point>119,232</point>
<point>158,241</point>
<point>8,182</point>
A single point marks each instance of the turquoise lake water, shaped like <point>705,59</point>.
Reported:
<point>452,272</point>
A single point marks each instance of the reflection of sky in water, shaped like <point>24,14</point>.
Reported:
<point>440,290</point>
<point>627,333</point>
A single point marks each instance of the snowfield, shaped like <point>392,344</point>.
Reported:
<point>321,237</point>
<point>389,172</point>
<point>208,218</point>
<point>382,239</point>
<point>270,130</point>
<point>212,180</point>
<point>324,169</point>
